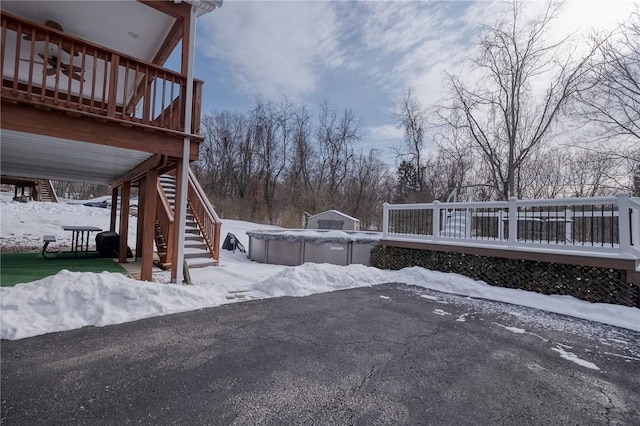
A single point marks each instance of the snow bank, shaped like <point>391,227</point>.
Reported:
<point>70,300</point>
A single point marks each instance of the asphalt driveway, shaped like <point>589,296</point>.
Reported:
<point>389,354</point>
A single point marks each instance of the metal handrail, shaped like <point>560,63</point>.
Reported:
<point>570,224</point>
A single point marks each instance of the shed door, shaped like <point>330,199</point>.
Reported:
<point>331,224</point>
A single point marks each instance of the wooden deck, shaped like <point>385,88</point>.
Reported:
<point>601,232</point>
<point>54,71</point>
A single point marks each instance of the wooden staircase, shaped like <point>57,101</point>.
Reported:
<point>202,243</point>
<point>46,192</point>
<point>37,189</point>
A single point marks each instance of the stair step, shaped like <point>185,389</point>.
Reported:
<point>195,245</point>
<point>193,237</point>
<point>198,255</point>
<point>202,264</point>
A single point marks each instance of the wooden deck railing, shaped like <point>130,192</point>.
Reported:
<point>205,216</point>
<point>165,217</point>
<point>48,68</point>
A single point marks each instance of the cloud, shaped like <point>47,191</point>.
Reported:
<point>273,48</point>
<point>386,139</point>
<point>415,43</point>
<point>363,53</point>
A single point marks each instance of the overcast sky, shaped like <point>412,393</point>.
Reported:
<point>357,55</point>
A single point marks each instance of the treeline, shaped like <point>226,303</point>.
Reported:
<point>275,163</point>
<point>537,120</point>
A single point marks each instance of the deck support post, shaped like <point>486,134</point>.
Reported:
<point>148,206</point>
<point>142,194</point>
<point>182,174</point>
<point>124,222</point>
<point>114,208</point>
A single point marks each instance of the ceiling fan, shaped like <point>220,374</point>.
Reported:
<point>66,46</point>
<point>52,63</point>
<point>67,69</point>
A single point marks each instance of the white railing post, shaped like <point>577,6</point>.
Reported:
<point>624,224</point>
<point>385,220</point>
<point>513,221</point>
<point>635,228</point>
<point>568,226</point>
<point>435,232</point>
<point>501,225</point>
<point>467,228</point>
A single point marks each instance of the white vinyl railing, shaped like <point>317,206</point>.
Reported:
<point>599,224</point>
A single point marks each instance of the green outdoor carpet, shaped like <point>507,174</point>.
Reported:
<point>25,267</point>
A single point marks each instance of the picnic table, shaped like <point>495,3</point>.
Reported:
<point>80,237</point>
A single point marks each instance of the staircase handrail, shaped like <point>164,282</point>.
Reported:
<point>202,196</point>
<point>52,191</point>
<point>164,214</point>
<point>205,216</point>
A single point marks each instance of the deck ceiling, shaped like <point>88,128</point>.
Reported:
<point>127,26</point>
<point>32,155</point>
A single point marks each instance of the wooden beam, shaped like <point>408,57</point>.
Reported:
<point>185,47</point>
<point>177,10</point>
<point>114,207</point>
<point>31,120</point>
<point>169,44</point>
<point>124,221</point>
<point>152,162</point>
<point>148,224</point>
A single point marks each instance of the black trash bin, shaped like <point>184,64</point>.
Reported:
<point>231,243</point>
<point>108,244</point>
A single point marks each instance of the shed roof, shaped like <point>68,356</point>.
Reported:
<point>336,212</point>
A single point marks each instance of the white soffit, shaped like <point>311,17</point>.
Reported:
<point>126,26</point>
<point>31,155</point>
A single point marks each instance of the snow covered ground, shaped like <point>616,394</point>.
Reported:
<point>71,300</point>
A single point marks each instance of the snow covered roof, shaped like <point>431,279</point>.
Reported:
<point>336,212</point>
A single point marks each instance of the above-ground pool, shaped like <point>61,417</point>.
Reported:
<point>294,247</point>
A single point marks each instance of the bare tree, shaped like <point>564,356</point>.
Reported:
<point>589,174</point>
<point>612,101</point>
<point>544,175</point>
<point>504,116</point>
<point>335,135</point>
<point>412,119</point>
<point>271,125</point>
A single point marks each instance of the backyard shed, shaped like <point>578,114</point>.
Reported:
<point>333,219</point>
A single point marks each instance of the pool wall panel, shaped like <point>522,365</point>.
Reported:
<point>280,252</point>
<point>334,253</point>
